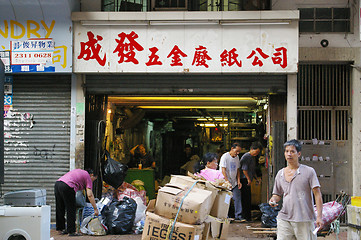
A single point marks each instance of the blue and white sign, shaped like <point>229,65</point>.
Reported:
<point>33,55</point>
<point>8,99</point>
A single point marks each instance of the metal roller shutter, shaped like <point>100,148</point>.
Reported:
<point>35,157</point>
<point>184,84</point>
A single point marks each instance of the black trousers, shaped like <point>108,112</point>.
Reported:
<point>65,201</point>
<point>246,200</point>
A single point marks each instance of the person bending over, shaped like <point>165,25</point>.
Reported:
<point>65,189</point>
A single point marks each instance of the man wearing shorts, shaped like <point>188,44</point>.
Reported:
<point>296,183</point>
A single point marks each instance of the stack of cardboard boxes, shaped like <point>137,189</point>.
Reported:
<point>198,208</point>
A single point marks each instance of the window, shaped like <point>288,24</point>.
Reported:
<point>169,5</point>
<point>228,5</point>
<point>324,20</point>
<point>123,5</point>
<point>324,101</point>
<point>185,5</point>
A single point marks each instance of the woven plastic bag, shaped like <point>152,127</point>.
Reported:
<point>330,212</point>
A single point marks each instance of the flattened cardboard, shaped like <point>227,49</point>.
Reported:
<point>195,208</point>
<point>157,227</point>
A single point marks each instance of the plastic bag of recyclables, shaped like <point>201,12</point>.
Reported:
<point>92,225</point>
<point>330,212</point>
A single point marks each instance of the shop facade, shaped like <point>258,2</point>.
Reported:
<point>138,77</point>
<point>238,67</point>
<point>36,48</point>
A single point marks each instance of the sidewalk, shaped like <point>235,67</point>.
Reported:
<point>237,231</point>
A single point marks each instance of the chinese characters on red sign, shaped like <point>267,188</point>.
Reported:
<point>127,46</point>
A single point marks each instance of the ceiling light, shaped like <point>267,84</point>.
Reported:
<point>215,118</point>
<point>190,107</point>
<point>172,98</point>
<point>213,125</point>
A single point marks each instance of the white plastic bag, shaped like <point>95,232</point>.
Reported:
<point>92,226</point>
<point>140,213</point>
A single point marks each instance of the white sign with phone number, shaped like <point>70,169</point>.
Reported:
<point>32,51</point>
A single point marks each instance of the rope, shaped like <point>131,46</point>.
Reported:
<point>335,227</point>
<point>179,208</point>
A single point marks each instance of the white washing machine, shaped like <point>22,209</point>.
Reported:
<point>32,223</point>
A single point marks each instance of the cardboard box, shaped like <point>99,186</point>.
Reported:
<point>157,227</point>
<point>353,234</point>
<point>222,199</point>
<point>215,228</point>
<point>221,204</point>
<point>189,181</point>
<point>186,180</point>
<point>195,208</point>
<point>354,215</point>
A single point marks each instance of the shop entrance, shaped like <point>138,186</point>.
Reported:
<point>167,112</point>
<point>165,125</point>
<point>177,129</point>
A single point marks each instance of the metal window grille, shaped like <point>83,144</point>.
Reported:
<point>315,124</point>
<point>324,101</point>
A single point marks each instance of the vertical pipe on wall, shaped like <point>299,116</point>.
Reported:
<point>73,121</point>
<point>291,106</point>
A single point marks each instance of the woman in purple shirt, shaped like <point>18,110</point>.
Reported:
<point>65,189</point>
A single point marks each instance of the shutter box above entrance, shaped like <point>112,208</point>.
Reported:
<point>181,84</point>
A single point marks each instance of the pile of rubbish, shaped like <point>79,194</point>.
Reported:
<point>122,206</point>
<point>122,211</point>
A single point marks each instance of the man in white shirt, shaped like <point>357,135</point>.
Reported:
<point>229,165</point>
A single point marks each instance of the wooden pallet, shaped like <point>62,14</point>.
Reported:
<point>258,230</point>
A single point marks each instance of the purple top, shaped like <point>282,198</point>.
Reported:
<point>77,179</point>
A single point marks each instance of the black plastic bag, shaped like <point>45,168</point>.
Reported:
<point>119,216</point>
<point>269,215</point>
<point>114,172</point>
